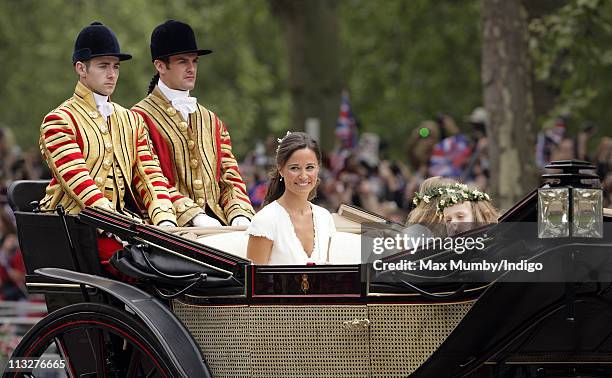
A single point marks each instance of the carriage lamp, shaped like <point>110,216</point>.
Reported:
<point>553,213</point>
<point>588,213</point>
<point>568,207</point>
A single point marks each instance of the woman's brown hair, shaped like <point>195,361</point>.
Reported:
<point>288,145</point>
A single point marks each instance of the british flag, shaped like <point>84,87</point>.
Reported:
<point>450,156</point>
<point>346,125</point>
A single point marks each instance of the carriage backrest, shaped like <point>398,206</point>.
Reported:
<point>42,237</point>
<point>22,193</point>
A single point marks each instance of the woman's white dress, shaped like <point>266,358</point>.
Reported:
<point>273,223</point>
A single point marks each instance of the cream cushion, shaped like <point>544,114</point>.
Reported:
<point>345,246</point>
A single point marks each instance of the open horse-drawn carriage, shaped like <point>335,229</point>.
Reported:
<point>199,311</point>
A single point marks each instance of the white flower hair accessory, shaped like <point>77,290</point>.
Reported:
<point>280,140</point>
<point>437,192</point>
<point>453,194</point>
<point>464,194</point>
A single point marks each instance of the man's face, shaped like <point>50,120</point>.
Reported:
<point>180,73</point>
<point>100,74</point>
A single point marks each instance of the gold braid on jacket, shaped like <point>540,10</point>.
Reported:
<point>199,164</point>
<point>96,163</point>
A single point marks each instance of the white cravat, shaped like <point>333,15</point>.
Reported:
<point>179,99</point>
<point>104,107</point>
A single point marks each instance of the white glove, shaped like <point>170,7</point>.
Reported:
<point>241,221</point>
<point>203,220</point>
<point>166,223</point>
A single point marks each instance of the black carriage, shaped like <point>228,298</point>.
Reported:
<point>197,311</point>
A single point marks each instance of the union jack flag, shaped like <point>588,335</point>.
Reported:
<point>450,156</point>
<point>346,125</point>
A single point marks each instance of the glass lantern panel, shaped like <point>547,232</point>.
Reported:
<point>553,213</point>
<point>588,213</point>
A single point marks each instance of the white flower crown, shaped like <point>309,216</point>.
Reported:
<point>455,193</point>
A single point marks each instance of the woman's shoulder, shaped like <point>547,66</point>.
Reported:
<point>270,210</point>
<point>264,223</point>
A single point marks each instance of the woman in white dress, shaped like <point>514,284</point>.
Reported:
<point>290,230</point>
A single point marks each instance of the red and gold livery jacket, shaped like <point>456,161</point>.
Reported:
<point>196,157</point>
<point>97,163</point>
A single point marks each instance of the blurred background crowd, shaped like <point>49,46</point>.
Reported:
<point>15,164</point>
<point>361,172</point>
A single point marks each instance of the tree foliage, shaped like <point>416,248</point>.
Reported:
<point>406,61</point>
<point>572,51</point>
<point>403,61</point>
<point>243,81</point>
<point>311,35</point>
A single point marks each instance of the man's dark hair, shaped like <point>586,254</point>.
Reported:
<point>155,77</point>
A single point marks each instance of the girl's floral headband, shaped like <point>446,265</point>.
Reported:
<point>454,194</point>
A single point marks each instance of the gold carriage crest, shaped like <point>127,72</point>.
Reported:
<point>304,283</point>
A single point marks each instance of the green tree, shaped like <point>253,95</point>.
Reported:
<point>312,45</point>
<point>243,81</point>
<point>406,61</point>
<point>572,52</point>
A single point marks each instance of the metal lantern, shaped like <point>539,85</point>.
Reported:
<point>553,213</point>
<point>568,207</point>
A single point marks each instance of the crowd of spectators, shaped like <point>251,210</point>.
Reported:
<point>15,164</point>
<point>362,174</point>
<point>556,143</point>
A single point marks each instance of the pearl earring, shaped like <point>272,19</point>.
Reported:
<point>281,178</point>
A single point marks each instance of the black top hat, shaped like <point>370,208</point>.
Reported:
<point>172,38</point>
<point>96,40</point>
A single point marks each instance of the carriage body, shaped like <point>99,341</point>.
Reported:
<point>243,320</point>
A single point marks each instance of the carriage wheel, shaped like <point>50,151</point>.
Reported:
<point>95,340</point>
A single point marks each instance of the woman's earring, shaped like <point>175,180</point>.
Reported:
<point>281,178</point>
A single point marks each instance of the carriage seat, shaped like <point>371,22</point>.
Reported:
<point>345,247</point>
<point>42,237</point>
<point>22,194</point>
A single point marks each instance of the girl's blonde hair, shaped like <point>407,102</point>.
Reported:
<point>484,212</point>
<point>425,213</point>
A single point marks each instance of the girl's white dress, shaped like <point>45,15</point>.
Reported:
<point>273,223</point>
